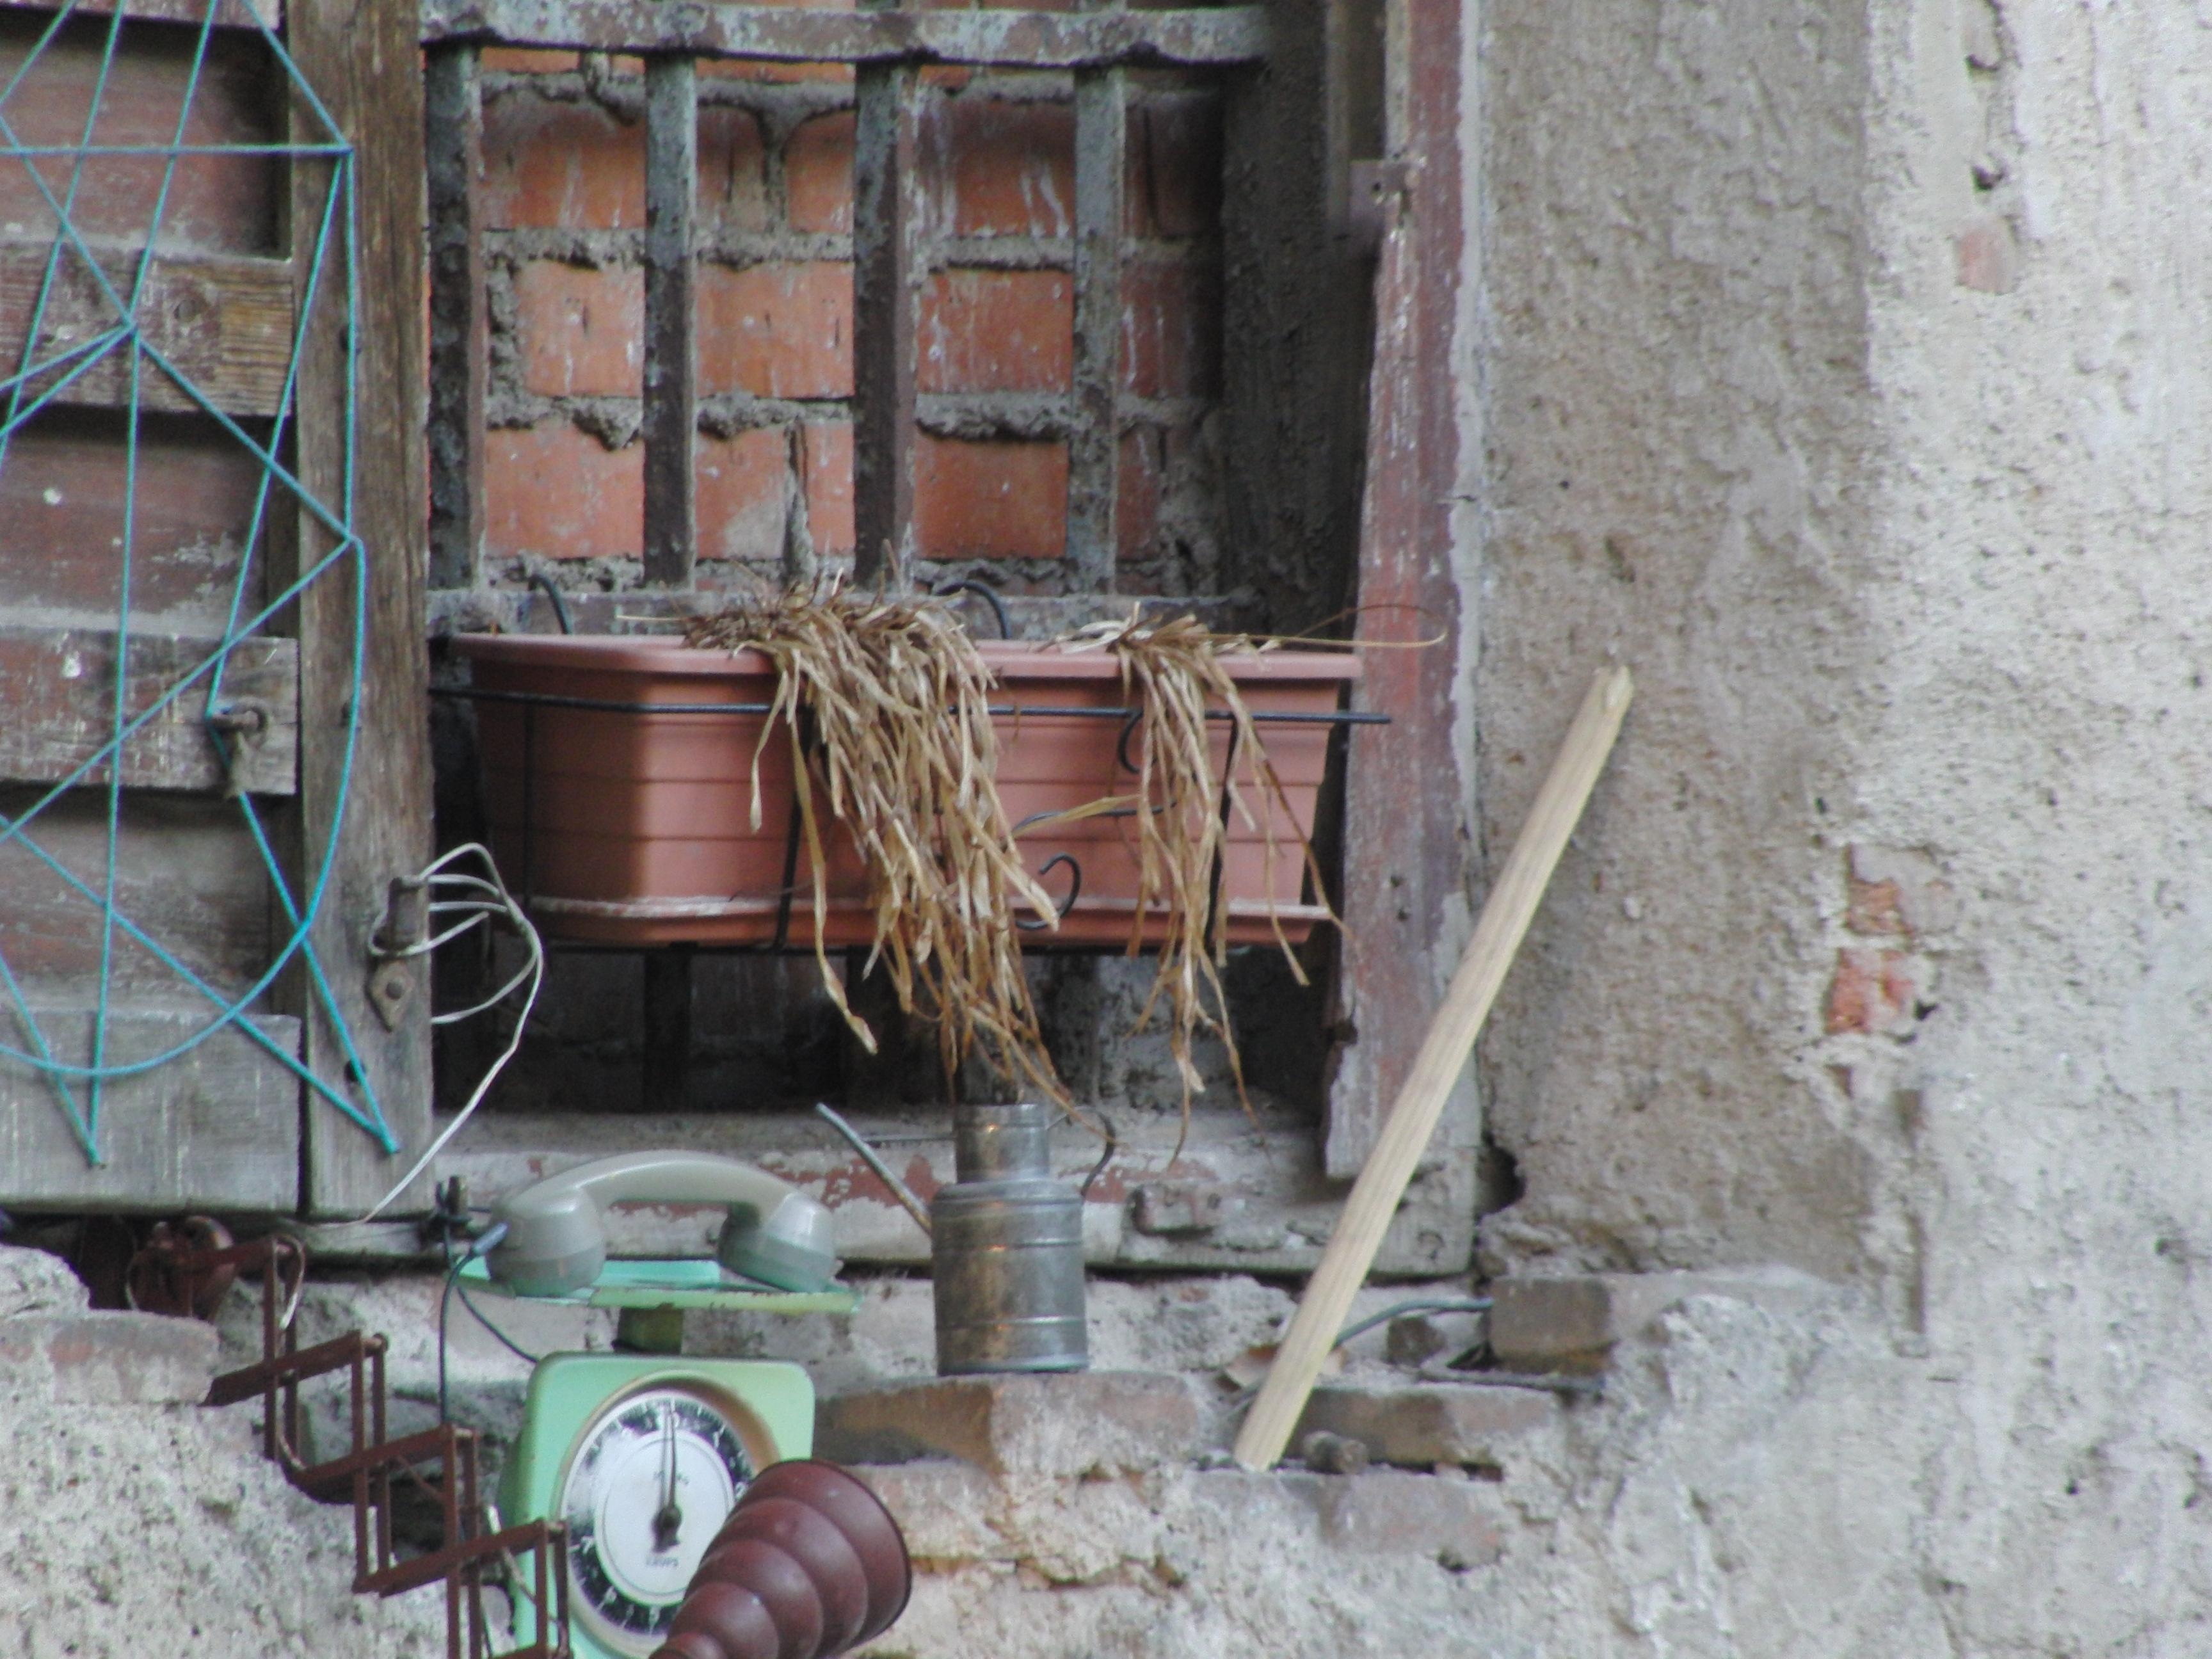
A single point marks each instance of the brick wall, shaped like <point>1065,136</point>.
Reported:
<point>565,197</point>
<point>564,201</point>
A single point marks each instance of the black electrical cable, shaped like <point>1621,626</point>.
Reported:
<point>544,584</point>
<point>1113,1146</point>
<point>445,1300</point>
<point>1430,1304</point>
<point>455,1263</point>
<point>506,1341</point>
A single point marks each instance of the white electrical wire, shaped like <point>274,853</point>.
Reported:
<point>476,909</point>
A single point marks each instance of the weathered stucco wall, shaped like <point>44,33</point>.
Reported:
<point>1845,375</point>
<point>1679,445</point>
<point>139,1522</point>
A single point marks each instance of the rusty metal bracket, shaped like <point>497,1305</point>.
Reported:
<point>440,1461</point>
<point>172,1275</point>
<point>394,947</point>
<point>238,729</point>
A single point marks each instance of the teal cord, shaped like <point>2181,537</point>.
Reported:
<point>35,386</point>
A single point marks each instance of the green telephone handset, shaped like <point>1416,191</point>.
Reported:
<point>555,1242</point>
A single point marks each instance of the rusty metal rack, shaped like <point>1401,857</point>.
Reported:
<point>886,47</point>
<point>440,1462</point>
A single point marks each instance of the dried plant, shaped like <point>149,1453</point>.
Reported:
<point>1175,671</point>
<point>885,702</point>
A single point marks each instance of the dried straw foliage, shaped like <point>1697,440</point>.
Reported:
<point>885,702</point>
<point>1175,671</point>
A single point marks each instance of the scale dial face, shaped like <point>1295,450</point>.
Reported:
<point>651,1480</point>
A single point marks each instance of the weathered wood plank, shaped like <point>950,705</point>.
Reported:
<point>362,58</point>
<point>214,1130</point>
<point>221,203</point>
<point>452,97</point>
<point>59,686</point>
<point>887,269</point>
<point>1094,456</point>
<point>226,323</point>
<point>1408,844</point>
<point>229,14</point>
<point>1004,39</point>
<point>671,356</point>
<point>62,496</point>
<point>186,872</point>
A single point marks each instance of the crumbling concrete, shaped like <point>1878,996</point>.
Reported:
<point>140,1520</point>
<point>1574,1323</point>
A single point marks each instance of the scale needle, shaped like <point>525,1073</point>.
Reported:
<point>668,1520</point>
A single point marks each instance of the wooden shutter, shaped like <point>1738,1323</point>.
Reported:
<point>222,1125</point>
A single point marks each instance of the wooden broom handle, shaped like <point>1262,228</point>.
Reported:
<point>1420,1102</point>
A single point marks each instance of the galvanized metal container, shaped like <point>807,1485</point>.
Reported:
<point>1007,1250</point>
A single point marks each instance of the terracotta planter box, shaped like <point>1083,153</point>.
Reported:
<point>638,824</point>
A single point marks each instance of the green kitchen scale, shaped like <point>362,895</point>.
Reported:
<point>643,1453</point>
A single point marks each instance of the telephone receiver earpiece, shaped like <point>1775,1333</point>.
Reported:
<point>556,1240</point>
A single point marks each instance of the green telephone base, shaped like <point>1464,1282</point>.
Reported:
<point>770,1404</point>
<point>575,1397</point>
<point>678,1283</point>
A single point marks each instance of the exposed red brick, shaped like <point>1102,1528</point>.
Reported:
<point>1004,169</point>
<point>777,330</point>
<point>109,1358</point>
<point>826,460</point>
<point>743,484</point>
<point>739,68</point>
<point>733,170</point>
<point>557,492</point>
<point>1138,514</point>
<point>566,165</point>
<point>1174,164</point>
<point>1875,907</point>
<point>1873,992</point>
<point>997,330</point>
<point>1019,1424</point>
<point>1171,328</point>
<point>580,330</point>
<point>528,60</point>
<point>818,174</point>
<point>1897,890</point>
<point>575,166</point>
<point>990,499</point>
<point>1988,257</point>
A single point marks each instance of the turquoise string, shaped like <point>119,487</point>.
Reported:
<point>26,398</point>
